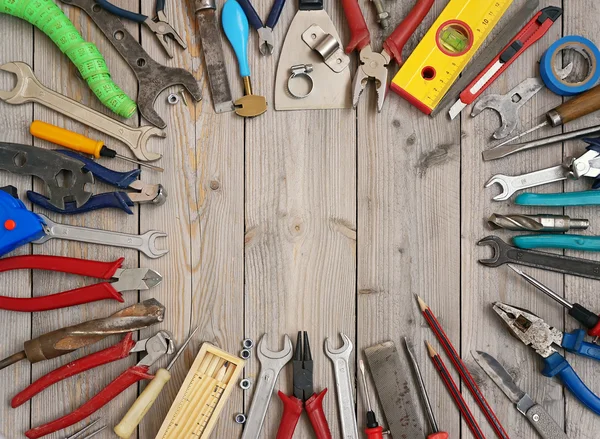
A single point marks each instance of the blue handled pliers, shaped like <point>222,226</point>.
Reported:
<point>144,193</point>
<point>265,31</point>
<point>536,333</point>
<point>159,26</point>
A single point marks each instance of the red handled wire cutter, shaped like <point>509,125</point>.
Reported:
<point>156,347</point>
<point>304,396</point>
<point>119,279</point>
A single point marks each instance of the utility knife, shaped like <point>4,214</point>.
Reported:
<point>535,413</point>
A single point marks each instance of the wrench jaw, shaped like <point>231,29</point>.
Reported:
<point>139,149</point>
<point>151,250</point>
<point>24,73</point>
<point>497,246</point>
<point>507,191</point>
<point>344,351</point>
<point>265,355</point>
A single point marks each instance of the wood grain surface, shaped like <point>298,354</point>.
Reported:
<point>324,221</point>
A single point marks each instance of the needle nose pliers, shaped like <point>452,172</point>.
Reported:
<point>118,279</point>
<point>266,41</point>
<point>534,332</point>
<point>304,395</point>
<point>159,26</point>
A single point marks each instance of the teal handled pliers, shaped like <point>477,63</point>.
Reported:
<point>561,199</point>
<point>567,242</point>
<point>536,333</point>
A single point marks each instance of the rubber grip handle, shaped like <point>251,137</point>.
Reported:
<point>556,364</point>
<point>570,242</point>
<point>105,356</point>
<point>292,409</point>
<point>310,5</point>
<point>251,14</point>
<point>544,424</point>
<point>235,26</point>
<point>62,264</point>
<point>394,44</point>
<point>275,13</point>
<point>160,6</point>
<point>595,331</point>
<point>359,32</point>
<point>314,410</point>
<point>573,342</point>
<point>122,180</point>
<point>63,137</point>
<point>121,383</point>
<point>438,435</point>
<point>142,404</point>
<point>374,433</point>
<point>579,106</point>
<point>115,200</point>
<point>120,12</point>
<point>563,199</point>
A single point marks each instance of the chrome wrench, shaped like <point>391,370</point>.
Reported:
<point>271,364</point>
<point>29,89</point>
<point>343,385</point>
<point>145,243</point>
<point>512,184</point>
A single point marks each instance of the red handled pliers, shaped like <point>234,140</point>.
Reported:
<point>157,346</point>
<point>304,396</point>
<point>120,279</point>
<point>374,65</point>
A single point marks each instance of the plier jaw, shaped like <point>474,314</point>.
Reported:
<point>155,347</point>
<point>530,329</point>
<point>132,279</point>
<point>266,41</point>
<point>373,66</point>
<point>303,368</point>
<point>164,34</point>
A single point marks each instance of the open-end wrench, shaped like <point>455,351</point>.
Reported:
<point>507,254</point>
<point>271,364</point>
<point>153,78</point>
<point>512,184</point>
<point>507,106</point>
<point>145,243</point>
<point>343,385</point>
<point>29,89</point>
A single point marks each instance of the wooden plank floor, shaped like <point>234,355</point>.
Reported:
<point>326,221</point>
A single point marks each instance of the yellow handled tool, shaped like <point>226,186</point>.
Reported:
<point>140,407</point>
<point>78,142</point>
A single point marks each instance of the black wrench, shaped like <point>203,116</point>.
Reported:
<point>507,254</point>
<point>153,78</point>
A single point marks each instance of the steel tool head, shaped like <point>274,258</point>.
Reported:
<point>266,40</point>
<point>130,279</point>
<point>373,66</point>
<point>343,352</point>
<point>499,248</point>
<point>149,248</point>
<point>165,34</point>
<point>499,375</point>
<point>303,368</point>
<point>24,74</point>
<point>267,356</point>
<point>505,183</point>
<point>160,344</point>
<point>530,329</point>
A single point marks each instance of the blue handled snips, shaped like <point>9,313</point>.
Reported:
<point>18,226</point>
<point>536,333</point>
<point>144,193</point>
<point>265,31</point>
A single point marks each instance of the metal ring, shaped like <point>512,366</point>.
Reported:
<point>246,383</point>
<point>248,343</point>
<point>245,354</point>
<point>301,70</point>
<point>240,418</point>
<point>173,99</point>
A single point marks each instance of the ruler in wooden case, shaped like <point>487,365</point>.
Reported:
<point>445,50</point>
<point>203,395</point>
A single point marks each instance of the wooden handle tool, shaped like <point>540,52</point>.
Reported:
<point>577,107</point>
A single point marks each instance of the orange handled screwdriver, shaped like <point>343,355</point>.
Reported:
<point>78,142</point>
<point>373,430</point>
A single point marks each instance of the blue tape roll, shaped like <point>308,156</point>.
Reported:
<point>587,49</point>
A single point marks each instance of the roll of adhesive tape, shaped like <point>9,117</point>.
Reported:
<point>581,45</point>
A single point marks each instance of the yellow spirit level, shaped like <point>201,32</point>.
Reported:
<point>445,50</point>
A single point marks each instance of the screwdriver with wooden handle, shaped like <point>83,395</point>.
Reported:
<point>78,142</point>
<point>140,407</point>
<point>582,105</point>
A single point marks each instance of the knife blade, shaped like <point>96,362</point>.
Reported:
<point>539,418</point>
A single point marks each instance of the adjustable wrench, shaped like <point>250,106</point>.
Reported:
<point>29,89</point>
<point>145,243</point>
<point>271,364</point>
<point>343,385</point>
<point>152,77</point>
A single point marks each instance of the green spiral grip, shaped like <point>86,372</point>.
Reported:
<point>50,19</point>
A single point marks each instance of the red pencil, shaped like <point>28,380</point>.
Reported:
<point>454,392</point>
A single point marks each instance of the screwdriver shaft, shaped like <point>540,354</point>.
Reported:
<point>146,165</point>
<point>361,365</point>
<point>540,286</point>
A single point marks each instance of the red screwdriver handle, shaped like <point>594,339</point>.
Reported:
<point>374,433</point>
<point>595,331</point>
<point>78,296</point>
<point>60,264</point>
<point>121,383</point>
<point>394,44</point>
<point>113,353</point>
<point>314,410</point>
<point>292,409</point>
<point>439,435</point>
<point>359,32</point>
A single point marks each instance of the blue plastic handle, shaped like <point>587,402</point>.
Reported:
<point>573,342</point>
<point>583,198</point>
<point>120,12</point>
<point>275,13</point>
<point>237,30</point>
<point>556,364</point>
<point>251,14</point>
<point>114,200</point>
<point>18,226</point>
<point>570,242</point>
<point>122,180</point>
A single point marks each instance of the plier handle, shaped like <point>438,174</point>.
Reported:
<point>160,27</point>
<point>117,280</point>
<point>540,336</point>
<point>143,193</point>
<point>265,31</point>
<point>157,346</point>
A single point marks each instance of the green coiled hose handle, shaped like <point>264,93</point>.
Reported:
<point>50,19</point>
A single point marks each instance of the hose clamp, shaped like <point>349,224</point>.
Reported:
<point>300,72</point>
